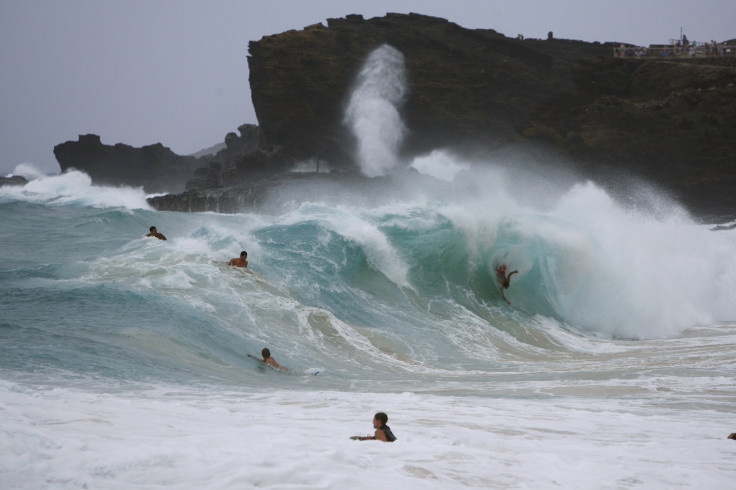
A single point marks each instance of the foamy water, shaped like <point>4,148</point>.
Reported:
<point>172,438</point>
<point>123,361</point>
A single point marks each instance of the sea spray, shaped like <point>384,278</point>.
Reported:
<point>28,170</point>
<point>75,187</point>
<point>373,111</point>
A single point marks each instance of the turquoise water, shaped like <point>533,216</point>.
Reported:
<point>123,359</point>
<point>401,296</point>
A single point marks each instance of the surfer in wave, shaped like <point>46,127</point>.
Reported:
<point>267,359</point>
<point>241,261</point>
<point>153,232</point>
<point>503,279</point>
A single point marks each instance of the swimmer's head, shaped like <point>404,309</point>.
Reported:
<point>243,254</point>
<point>266,353</point>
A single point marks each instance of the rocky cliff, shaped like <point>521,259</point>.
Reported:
<point>465,86</point>
<point>669,121</point>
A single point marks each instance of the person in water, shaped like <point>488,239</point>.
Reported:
<point>383,431</point>
<point>240,261</point>
<point>267,359</point>
<point>152,231</point>
<point>503,279</point>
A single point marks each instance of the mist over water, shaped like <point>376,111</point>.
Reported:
<point>373,111</point>
<point>28,170</point>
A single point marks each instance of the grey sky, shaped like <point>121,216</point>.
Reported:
<point>175,71</point>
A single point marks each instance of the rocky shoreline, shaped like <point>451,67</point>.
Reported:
<point>668,122</point>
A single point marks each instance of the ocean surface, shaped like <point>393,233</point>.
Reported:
<point>123,359</point>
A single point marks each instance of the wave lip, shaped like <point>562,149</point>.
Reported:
<point>75,188</point>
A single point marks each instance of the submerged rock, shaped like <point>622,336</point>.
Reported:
<point>13,180</point>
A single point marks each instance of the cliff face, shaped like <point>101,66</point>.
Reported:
<point>464,85</point>
<point>672,122</point>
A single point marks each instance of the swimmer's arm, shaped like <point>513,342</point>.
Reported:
<point>362,438</point>
<point>272,362</point>
<point>515,272</point>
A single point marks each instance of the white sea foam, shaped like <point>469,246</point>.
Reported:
<point>171,437</point>
<point>29,171</point>
<point>75,187</point>
<point>634,275</point>
<point>439,164</point>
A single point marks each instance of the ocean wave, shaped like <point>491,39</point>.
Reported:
<point>74,188</point>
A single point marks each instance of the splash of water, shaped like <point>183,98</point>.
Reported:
<point>28,170</point>
<point>75,187</point>
<point>373,111</point>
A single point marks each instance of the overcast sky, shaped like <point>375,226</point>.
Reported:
<point>175,71</point>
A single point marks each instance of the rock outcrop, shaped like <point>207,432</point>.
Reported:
<point>670,122</point>
<point>465,86</point>
<point>273,192</point>
<point>155,167</point>
<point>13,180</point>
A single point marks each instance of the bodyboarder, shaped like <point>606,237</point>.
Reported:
<point>504,280</point>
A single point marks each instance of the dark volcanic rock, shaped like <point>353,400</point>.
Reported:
<point>670,122</point>
<point>274,192</point>
<point>13,180</point>
<point>464,85</point>
<point>155,167</point>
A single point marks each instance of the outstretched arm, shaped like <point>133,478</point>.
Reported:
<point>272,362</point>
<point>515,272</point>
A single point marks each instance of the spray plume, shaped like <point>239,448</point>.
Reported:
<point>373,111</point>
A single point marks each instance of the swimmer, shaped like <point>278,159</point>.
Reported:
<point>503,279</point>
<point>154,233</point>
<point>240,261</point>
<point>383,431</point>
<point>267,359</point>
